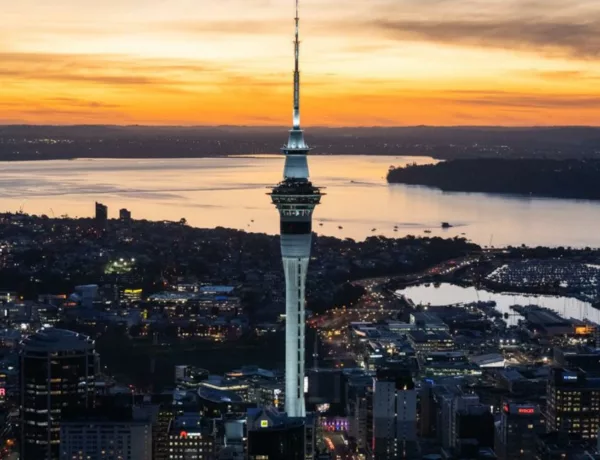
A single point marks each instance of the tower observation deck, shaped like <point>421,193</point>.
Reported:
<point>295,198</point>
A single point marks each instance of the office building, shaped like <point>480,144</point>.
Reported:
<point>325,386</point>
<point>559,446</point>
<point>446,364</point>
<point>474,426</point>
<point>124,215</point>
<point>295,198</point>
<point>100,438</point>
<point>234,439</point>
<point>394,413</point>
<point>428,322</point>
<point>573,403</point>
<point>269,393</point>
<point>57,373</point>
<point>160,432</point>
<point>101,216</point>
<point>431,341</point>
<point>359,407</point>
<point>192,437</point>
<point>517,431</point>
<point>458,421</point>
<point>273,435</point>
<point>85,295</point>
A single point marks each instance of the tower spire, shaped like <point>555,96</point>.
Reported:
<point>297,71</point>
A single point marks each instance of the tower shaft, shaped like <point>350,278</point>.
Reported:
<point>295,278</point>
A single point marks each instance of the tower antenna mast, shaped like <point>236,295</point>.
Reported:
<point>297,70</point>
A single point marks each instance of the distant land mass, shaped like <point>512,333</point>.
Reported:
<point>29,142</point>
<point>576,179</point>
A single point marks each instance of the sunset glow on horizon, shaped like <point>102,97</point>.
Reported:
<point>364,63</point>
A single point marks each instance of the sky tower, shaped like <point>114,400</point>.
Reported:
<point>295,198</point>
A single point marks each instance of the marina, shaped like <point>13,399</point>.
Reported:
<point>450,294</point>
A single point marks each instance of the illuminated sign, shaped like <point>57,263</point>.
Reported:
<point>505,408</point>
<point>3,392</point>
<point>183,434</point>
<point>264,423</point>
<point>526,410</point>
<point>569,378</point>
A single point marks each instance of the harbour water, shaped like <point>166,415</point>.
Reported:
<point>450,294</point>
<point>230,192</point>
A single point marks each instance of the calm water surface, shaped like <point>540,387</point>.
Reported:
<point>450,294</point>
<point>231,192</point>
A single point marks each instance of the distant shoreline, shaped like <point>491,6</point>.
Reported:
<point>257,156</point>
<point>28,142</point>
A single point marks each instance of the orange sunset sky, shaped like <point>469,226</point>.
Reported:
<point>364,62</point>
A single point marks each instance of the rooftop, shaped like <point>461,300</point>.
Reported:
<point>52,339</point>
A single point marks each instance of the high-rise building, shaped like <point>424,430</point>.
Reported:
<point>359,407</point>
<point>516,433</point>
<point>295,198</point>
<point>273,435</point>
<point>160,431</point>
<point>394,413</point>
<point>573,405</point>
<point>57,373</point>
<point>101,215</point>
<point>325,386</point>
<point>124,215</point>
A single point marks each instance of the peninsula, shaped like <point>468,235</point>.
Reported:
<point>574,179</point>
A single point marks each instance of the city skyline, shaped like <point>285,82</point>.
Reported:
<point>463,62</point>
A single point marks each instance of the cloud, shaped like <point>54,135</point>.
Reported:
<point>576,40</point>
<point>507,99</point>
<point>70,101</point>
<point>564,28</point>
<point>564,75</point>
<point>228,27</point>
<point>118,71</point>
<point>157,75</point>
<point>70,68</point>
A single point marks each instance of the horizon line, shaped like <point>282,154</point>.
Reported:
<point>89,125</point>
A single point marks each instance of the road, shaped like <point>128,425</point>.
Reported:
<point>336,444</point>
